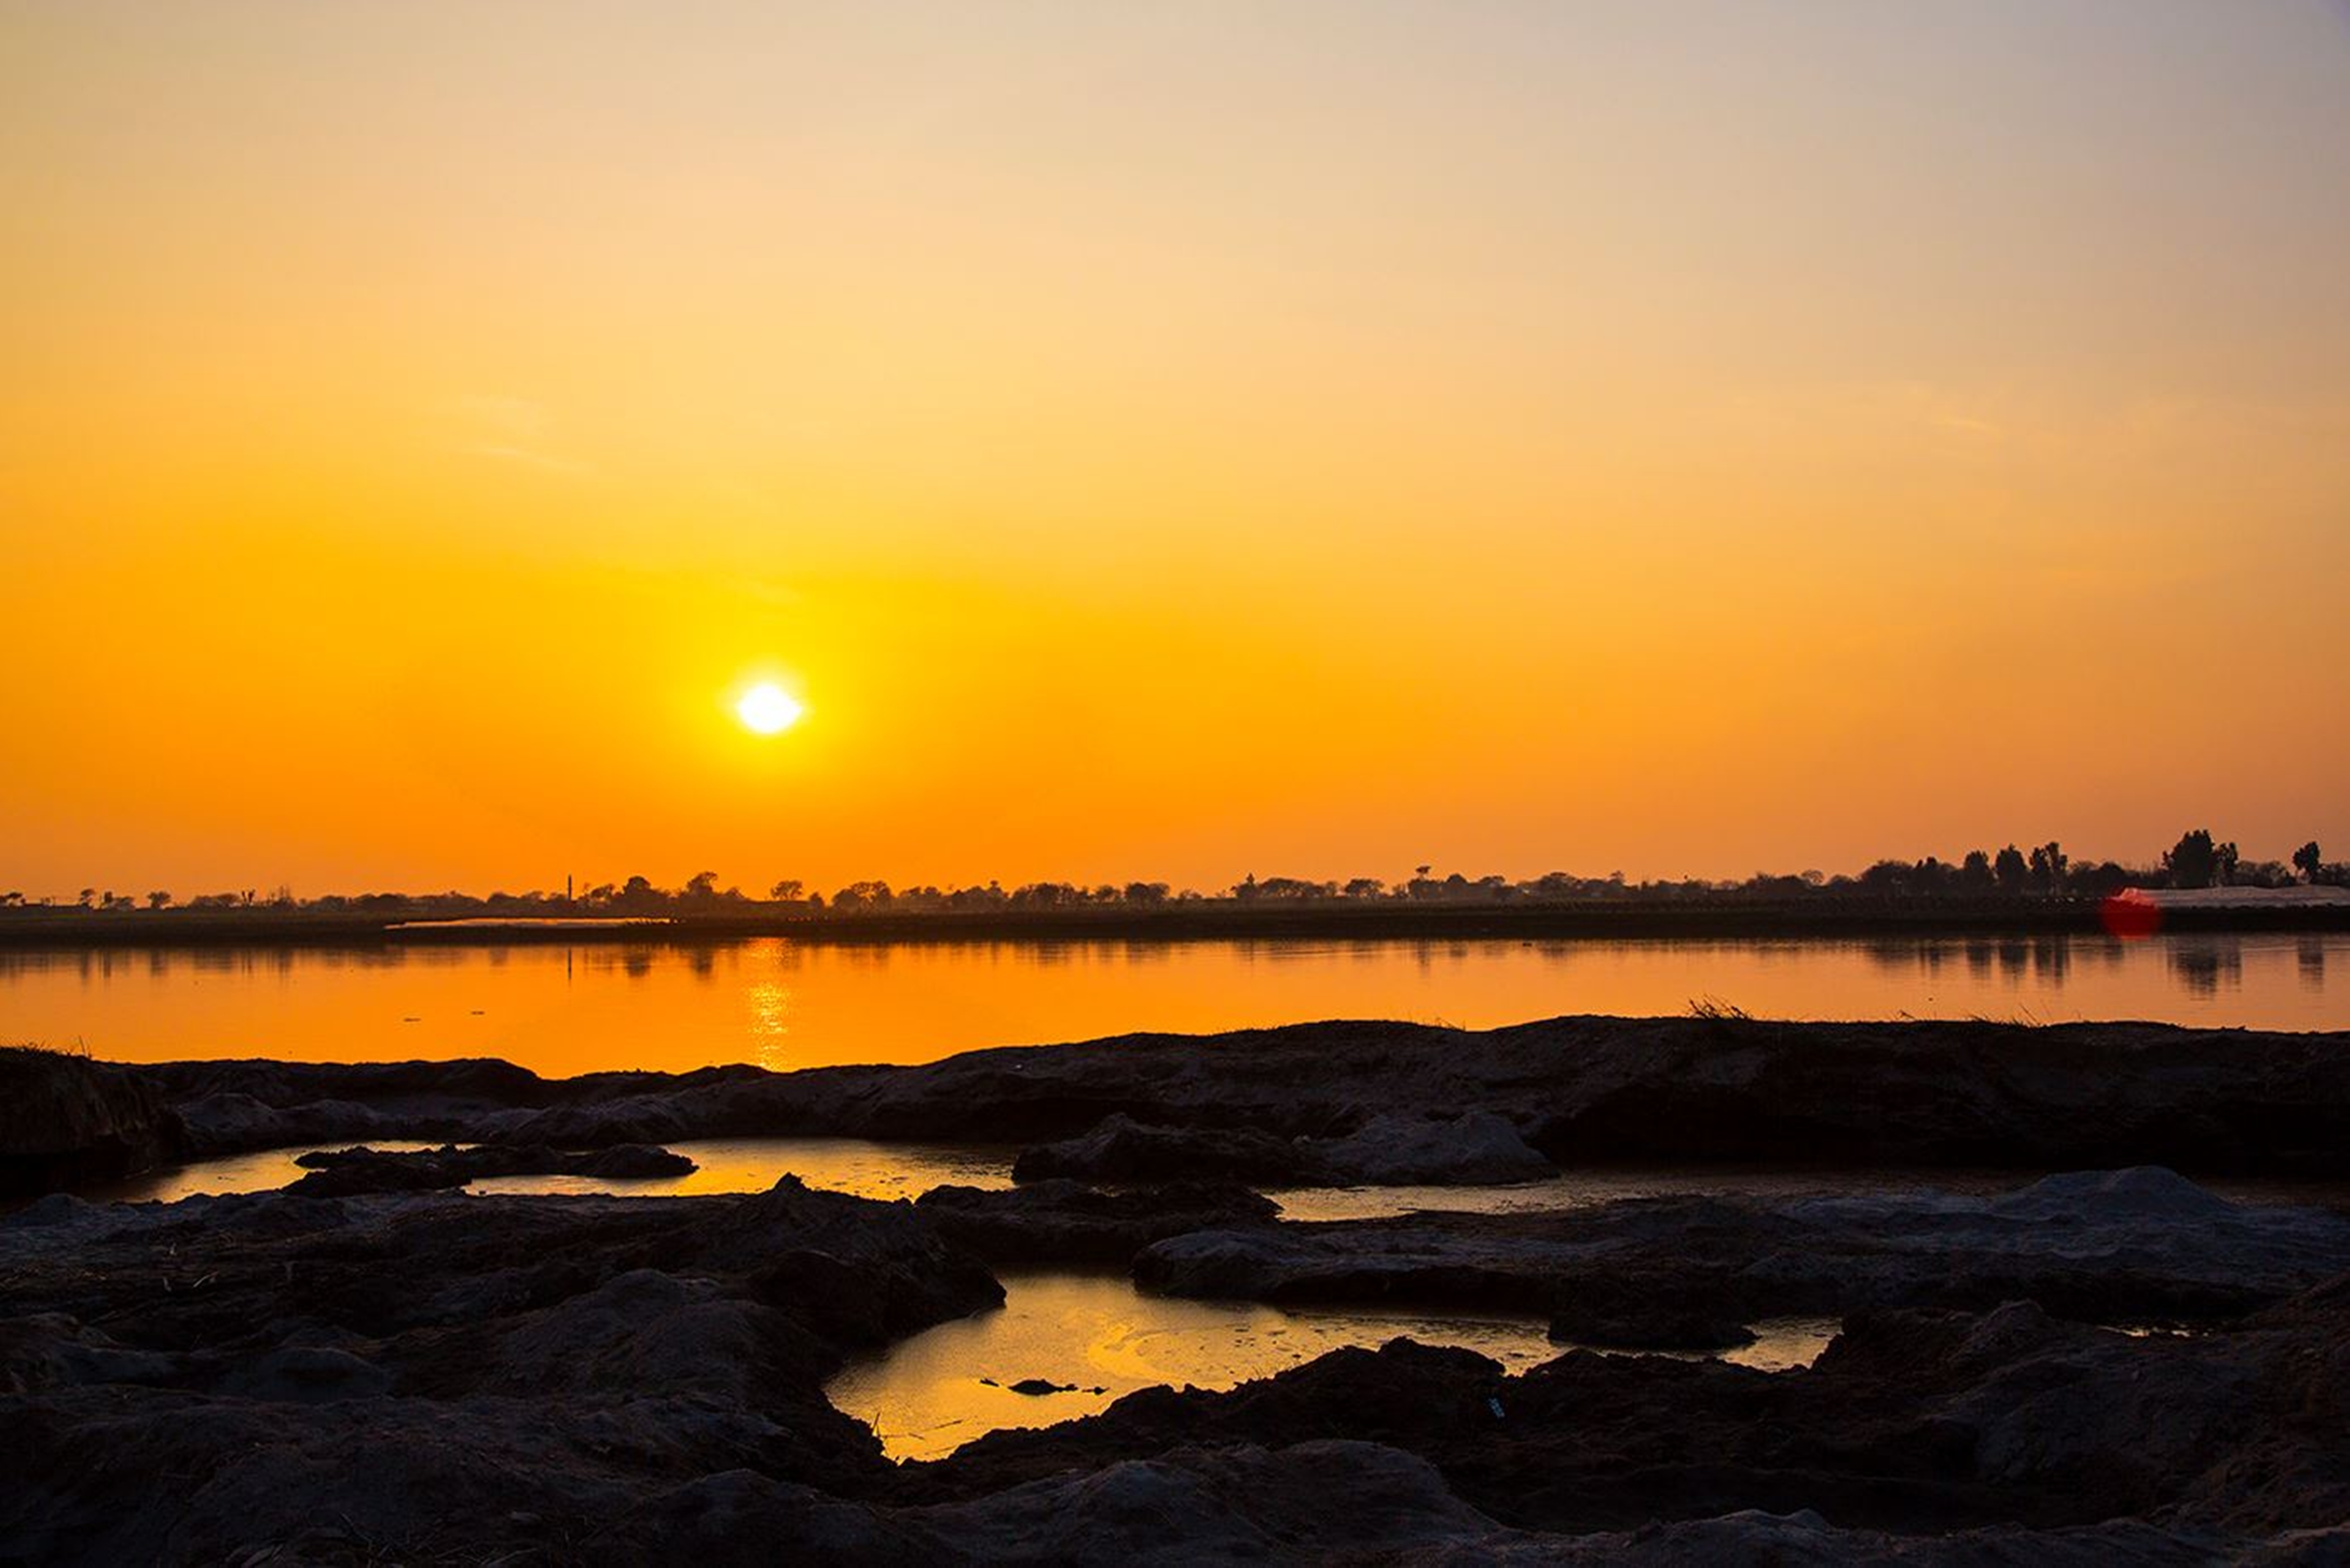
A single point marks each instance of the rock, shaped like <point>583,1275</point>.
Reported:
<point>232,1105</point>
<point>1401,1150</point>
<point>1576,1090</point>
<point>636,1162</point>
<point>2111,1247</point>
<point>430,1377</point>
<point>67,1121</point>
<point>432,1373</point>
<point>306,1374</point>
<point>56,1209</point>
<point>1067,1222</point>
<point>1316,1502</point>
<point>1306,1502</point>
<point>344,1172</point>
<point>1121,1150</point>
<point>1388,1150</point>
<point>1608,1321</point>
<point>1914,1422</point>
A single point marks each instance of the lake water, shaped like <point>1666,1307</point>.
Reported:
<point>562,1010</point>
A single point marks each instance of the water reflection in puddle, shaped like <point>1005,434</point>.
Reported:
<point>930,1395</point>
<point>263,1170</point>
<point>878,1170</point>
<point>895,1170</point>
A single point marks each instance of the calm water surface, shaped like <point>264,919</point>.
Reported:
<point>930,1395</point>
<point>563,1010</point>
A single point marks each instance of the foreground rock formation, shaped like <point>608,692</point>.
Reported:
<point>1577,1090</point>
<point>2134,1247</point>
<point>433,1378</point>
<point>1917,1422</point>
<point>1069,1222</point>
<point>1476,1147</point>
<point>183,1382</point>
<point>67,1121</point>
<point>346,1172</point>
<point>2099,1366</point>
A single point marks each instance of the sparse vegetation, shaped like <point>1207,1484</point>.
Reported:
<point>79,1048</point>
<point>2009,884</point>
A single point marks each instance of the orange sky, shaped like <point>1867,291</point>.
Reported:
<point>1314,437</point>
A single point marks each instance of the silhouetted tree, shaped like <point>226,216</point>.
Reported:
<point>2308,861</point>
<point>2224,860</point>
<point>159,900</point>
<point>1146,894</point>
<point>992,896</point>
<point>1975,873</point>
<point>1886,876</point>
<point>2015,873</point>
<point>1293,888</point>
<point>85,896</point>
<point>863,896</point>
<point>2193,860</point>
<point>1932,875</point>
<point>790,890</point>
<point>2048,864</point>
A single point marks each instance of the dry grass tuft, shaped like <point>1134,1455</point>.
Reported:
<point>43,1048</point>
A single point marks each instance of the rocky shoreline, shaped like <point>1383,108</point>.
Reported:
<point>2096,1364</point>
<point>1574,1091</point>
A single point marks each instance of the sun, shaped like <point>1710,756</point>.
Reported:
<point>767,709</point>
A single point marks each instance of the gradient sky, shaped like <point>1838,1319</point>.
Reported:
<point>1307,438</point>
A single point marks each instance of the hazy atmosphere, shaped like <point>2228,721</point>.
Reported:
<point>967,783</point>
<point>1681,439</point>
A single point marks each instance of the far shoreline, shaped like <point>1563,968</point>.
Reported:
<point>1858,920</point>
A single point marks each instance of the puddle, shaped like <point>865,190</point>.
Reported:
<point>930,1395</point>
<point>878,1170</point>
<point>263,1170</point>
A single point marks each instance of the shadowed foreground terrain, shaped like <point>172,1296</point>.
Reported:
<point>442,1379</point>
<point>2098,1364</point>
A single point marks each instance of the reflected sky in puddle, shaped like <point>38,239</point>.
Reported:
<point>878,1170</point>
<point>930,1395</point>
<point>263,1170</point>
<point>898,1170</point>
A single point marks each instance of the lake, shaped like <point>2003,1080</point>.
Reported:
<point>595,1006</point>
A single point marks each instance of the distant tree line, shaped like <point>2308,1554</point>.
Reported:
<point>2041,872</point>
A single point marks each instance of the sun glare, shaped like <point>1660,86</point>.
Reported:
<point>767,709</point>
